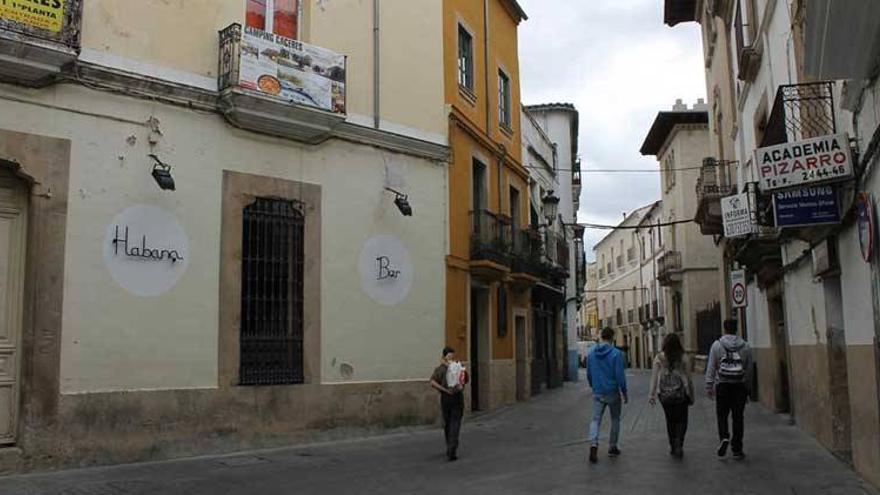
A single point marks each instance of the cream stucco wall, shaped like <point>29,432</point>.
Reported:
<point>126,34</point>
<point>113,340</point>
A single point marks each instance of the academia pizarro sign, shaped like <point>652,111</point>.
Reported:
<point>41,14</point>
<point>822,159</point>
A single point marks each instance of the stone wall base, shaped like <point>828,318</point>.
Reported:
<point>125,427</point>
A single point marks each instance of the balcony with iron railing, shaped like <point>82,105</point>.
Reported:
<point>38,40</point>
<point>280,86</point>
<point>716,181</point>
<point>801,111</point>
<point>491,238</point>
<point>527,265</point>
<point>669,268</point>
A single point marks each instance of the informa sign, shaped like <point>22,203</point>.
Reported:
<point>292,70</point>
<point>816,205</point>
<point>736,215</point>
<point>822,159</point>
<point>386,270</point>
<point>738,293</point>
<point>40,14</point>
<point>146,250</point>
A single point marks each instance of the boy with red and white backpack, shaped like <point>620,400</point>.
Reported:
<point>728,377</point>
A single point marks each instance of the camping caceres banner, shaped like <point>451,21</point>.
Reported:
<point>40,14</point>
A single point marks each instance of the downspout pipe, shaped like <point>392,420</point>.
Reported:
<point>376,107</point>
<point>486,64</point>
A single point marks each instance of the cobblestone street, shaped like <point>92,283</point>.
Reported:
<point>537,447</point>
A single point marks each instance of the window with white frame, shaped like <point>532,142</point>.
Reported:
<point>465,58</point>
<point>503,99</point>
<point>281,17</point>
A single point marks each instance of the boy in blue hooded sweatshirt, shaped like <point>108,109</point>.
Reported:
<point>608,380</point>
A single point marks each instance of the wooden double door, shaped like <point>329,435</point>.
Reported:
<point>13,233</point>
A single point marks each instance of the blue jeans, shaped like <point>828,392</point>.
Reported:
<point>600,402</point>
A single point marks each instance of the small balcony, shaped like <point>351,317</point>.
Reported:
<point>669,268</point>
<point>491,242</point>
<point>715,182</point>
<point>526,267</point>
<point>801,111</point>
<point>556,249</point>
<point>37,42</point>
<point>760,254</point>
<point>280,86</point>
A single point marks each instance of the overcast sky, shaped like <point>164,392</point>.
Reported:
<point>620,65</point>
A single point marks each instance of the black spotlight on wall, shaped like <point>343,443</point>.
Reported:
<point>402,202</point>
<point>162,174</point>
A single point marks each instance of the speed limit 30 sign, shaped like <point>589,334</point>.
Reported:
<point>738,288</point>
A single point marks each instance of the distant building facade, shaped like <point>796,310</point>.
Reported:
<point>689,265</point>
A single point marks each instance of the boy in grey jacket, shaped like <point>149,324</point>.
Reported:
<point>728,375</point>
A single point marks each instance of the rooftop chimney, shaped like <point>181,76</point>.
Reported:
<point>679,106</point>
<point>701,106</point>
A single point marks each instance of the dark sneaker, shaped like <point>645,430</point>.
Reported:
<point>594,454</point>
<point>722,448</point>
<point>613,452</point>
<point>738,456</point>
<point>678,453</point>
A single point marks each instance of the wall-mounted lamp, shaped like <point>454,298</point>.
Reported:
<point>551,206</point>
<point>162,174</point>
<point>402,202</point>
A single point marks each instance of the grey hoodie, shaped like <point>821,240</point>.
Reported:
<point>728,343</point>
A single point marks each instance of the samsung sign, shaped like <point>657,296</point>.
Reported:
<point>822,159</point>
<point>817,205</point>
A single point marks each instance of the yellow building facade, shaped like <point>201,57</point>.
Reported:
<point>487,302</point>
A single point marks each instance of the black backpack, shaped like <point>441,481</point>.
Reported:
<point>672,389</point>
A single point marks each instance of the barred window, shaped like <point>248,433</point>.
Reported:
<point>271,336</point>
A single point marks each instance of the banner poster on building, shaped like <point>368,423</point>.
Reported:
<point>292,70</point>
<point>736,215</point>
<point>40,14</point>
<point>815,205</point>
<point>818,160</point>
<point>738,293</point>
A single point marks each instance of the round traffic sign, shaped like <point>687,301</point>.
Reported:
<point>739,294</point>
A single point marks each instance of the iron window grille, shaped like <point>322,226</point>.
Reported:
<point>271,337</point>
<point>801,111</point>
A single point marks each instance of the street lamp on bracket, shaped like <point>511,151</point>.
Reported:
<point>551,207</point>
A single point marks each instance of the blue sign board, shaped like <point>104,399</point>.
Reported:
<point>817,205</point>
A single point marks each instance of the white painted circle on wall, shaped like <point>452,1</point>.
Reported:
<point>386,270</point>
<point>146,250</point>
